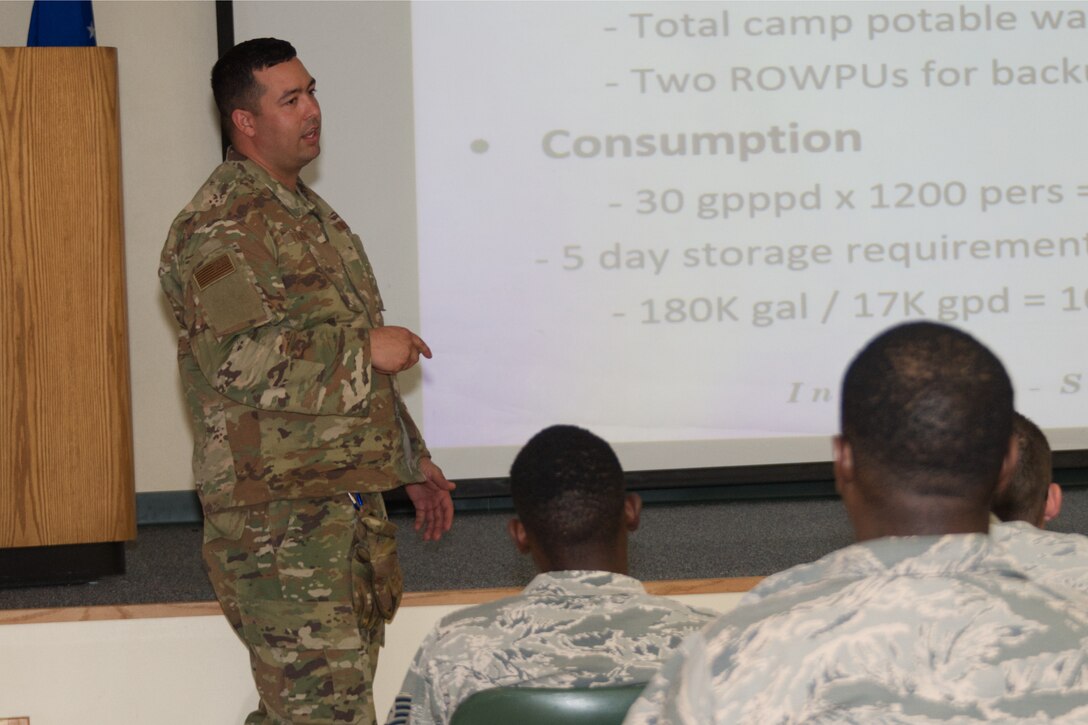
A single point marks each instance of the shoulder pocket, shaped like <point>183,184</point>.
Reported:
<point>228,296</point>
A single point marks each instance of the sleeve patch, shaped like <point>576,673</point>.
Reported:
<point>228,296</point>
<point>214,270</point>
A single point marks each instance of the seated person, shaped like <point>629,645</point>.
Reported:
<point>1023,509</point>
<point>924,619</point>
<point>582,622</point>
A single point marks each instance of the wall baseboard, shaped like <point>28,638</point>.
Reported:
<point>168,507</point>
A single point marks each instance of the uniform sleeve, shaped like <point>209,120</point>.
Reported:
<point>419,447</point>
<point>251,352</point>
<point>680,691</point>
<point>416,704</point>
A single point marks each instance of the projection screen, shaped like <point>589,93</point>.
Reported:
<point>675,223</point>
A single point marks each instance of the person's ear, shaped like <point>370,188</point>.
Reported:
<point>1008,465</point>
<point>843,456</point>
<point>243,122</point>
<point>1053,502</point>
<point>518,535</point>
<point>632,511</point>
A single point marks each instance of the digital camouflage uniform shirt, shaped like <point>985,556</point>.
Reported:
<point>275,299</point>
<point>1048,557</point>
<point>566,629</point>
<point>895,630</point>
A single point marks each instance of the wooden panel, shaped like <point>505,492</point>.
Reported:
<point>66,471</point>
<point>667,588</point>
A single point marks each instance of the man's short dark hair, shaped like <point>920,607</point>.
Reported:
<point>931,407</point>
<point>233,84</point>
<point>567,486</point>
<point>1024,499</point>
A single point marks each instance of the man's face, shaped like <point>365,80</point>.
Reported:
<point>287,126</point>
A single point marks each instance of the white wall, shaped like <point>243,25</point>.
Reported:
<point>173,671</point>
<point>169,145</point>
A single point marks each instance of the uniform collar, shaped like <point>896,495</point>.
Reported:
<point>297,203</point>
<point>928,555</point>
<point>575,582</point>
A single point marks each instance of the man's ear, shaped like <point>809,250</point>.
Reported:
<point>843,456</point>
<point>1053,502</point>
<point>1008,465</point>
<point>632,511</point>
<point>243,122</point>
<point>518,535</point>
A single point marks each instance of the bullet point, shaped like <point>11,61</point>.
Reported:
<point>480,146</point>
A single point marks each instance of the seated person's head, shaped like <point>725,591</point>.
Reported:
<point>926,433</point>
<point>1031,495</point>
<point>572,509</point>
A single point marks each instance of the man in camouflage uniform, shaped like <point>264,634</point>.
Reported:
<point>582,622</point>
<point>925,619</point>
<point>299,426</point>
<point>1024,507</point>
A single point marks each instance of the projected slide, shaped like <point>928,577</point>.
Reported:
<point>678,222</point>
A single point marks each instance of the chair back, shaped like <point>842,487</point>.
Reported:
<point>548,706</point>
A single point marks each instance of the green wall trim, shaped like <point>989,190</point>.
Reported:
<point>168,507</point>
<point>183,507</point>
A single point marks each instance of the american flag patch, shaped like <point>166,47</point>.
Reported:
<point>214,270</point>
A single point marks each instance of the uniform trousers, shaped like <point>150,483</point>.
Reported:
<point>308,586</point>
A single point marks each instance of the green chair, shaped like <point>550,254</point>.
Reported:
<point>548,706</point>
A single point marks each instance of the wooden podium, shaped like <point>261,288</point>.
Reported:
<point>66,471</point>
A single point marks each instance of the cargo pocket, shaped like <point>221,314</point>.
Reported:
<point>379,583</point>
<point>228,525</point>
<point>309,660</point>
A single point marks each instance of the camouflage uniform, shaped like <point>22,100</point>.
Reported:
<point>567,629</point>
<point>895,630</point>
<point>275,299</point>
<point>1048,557</point>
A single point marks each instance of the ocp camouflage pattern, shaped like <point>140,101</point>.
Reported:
<point>275,297</point>
<point>293,583</point>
